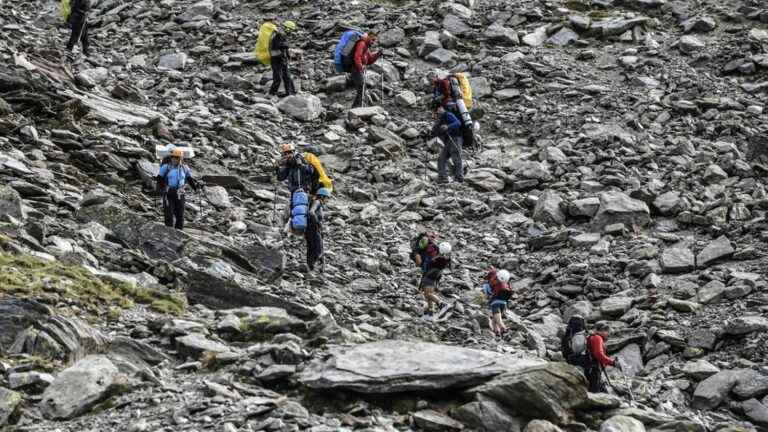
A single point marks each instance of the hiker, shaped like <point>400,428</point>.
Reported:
<point>599,360</point>
<point>361,58</point>
<point>573,345</point>
<point>498,292</point>
<point>172,180</point>
<point>294,169</point>
<point>313,233</point>
<point>423,250</point>
<point>279,51</point>
<point>448,128</point>
<point>78,24</point>
<point>432,275</point>
<point>454,93</point>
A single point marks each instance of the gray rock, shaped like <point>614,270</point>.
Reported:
<point>617,207</point>
<point>302,107</point>
<point>441,56</point>
<point>430,43</point>
<point>501,35</point>
<point>487,416</point>
<point>631,359</point>
<point>406,98</point>
<point>541,426</point>
<point>537,38</point>
<point>586,207</point>
<point>78,388</point>
<point>9,401</point>
<point>11,204</point>
<point>456,26</point>
<point>193,345</point>
<point>393,366</point>
<point>756,412</point>
<point>690,44</point>
<point>201,9</point>
<point>548,209</point>
<point>699,369</point>
<point>218,197</point>
<point>699,24</point>
<point>548,391</point>
<point>622,423</point>
<point>746,324</point>
<point>616,305</point>
<point>392,37</point>
<point>677,260</point>
<point>431,420</point>
<point>174,61</point>
<point>712,292</point>
<point>481,87</point>
<point>711,392</point>
<point>563,37</point>
<point>717,249</point>
<point>668,203</point>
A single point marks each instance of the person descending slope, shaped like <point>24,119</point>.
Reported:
<point>77,18</point>
<point>314,233</point>
<point>279,51</point>
<point>498,292</point>
<point>431,278</point>
<point>353,55</point>
<point>423,250</point>
<point>172,180</point>
<point>448,128</point>
<point>302,179</point>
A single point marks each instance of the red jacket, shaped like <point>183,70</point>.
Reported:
<point>596,346</point>
<point>363,56</point>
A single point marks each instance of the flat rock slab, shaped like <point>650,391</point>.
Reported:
<point>715,250</point>
<point>77,389</point>
<point>394,366</point>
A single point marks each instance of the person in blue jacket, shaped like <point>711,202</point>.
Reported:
<point>448,129</point>
<point>172,180</point>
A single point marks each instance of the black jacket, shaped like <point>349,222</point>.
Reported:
<point>79,9</point>
<point>299,173</point>
<point>279,45</point>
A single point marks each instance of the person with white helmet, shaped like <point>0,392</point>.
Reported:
<point>498,292</point>
<point>432,276</point>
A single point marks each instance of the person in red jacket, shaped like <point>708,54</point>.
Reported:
<point>362,57</point>
<point>596,348</point>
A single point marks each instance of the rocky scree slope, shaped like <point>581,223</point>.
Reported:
<point>620,176</point>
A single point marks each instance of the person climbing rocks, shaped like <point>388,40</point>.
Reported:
<point>498,292</point>
<point>423,250</point>
<point>313,233</point>
<point>295,170</point>
<point>280,54</point>
<point>78,24</point>
<point>443,93</point>
<point>454,93</point>
<point>431,278</point>
<point>362,57</point>
<point>172,180</point>
<point>599,360</point>
<point>448,128</point>
<point>573,344</point>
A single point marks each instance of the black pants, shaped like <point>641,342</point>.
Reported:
<point>280,74</point>
<point>314,243</point>
<point>356,80</point>
<point>79,27</point>
<point>594,375</point>
<point>173,208</point>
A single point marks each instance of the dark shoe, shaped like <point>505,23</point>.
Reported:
<point>442,180</point>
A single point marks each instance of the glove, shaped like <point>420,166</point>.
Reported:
<point>618,364</point>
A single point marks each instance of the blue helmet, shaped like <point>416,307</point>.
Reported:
<point>323,192</point>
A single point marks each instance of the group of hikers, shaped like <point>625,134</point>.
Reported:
<point>310,187</point>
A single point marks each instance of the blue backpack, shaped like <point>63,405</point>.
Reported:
<point>342,55</point>
<point>299,211</point>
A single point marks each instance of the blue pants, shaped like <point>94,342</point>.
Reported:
<point>451,150</point>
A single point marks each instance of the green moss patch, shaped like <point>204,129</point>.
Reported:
<point>50,282</point>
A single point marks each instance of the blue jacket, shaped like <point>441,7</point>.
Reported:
<point>175,177</point>
<point>450,120</point>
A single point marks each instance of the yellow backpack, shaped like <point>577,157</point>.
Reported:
<point>466,89</point>
<point>64,10</point>
<point>262,51</point>
<point>323,179</point>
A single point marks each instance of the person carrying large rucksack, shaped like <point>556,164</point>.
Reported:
<point>454,93</point>
<point>498,292</point>
<point>588,351</point>
<point>432,275</point>
<point>448,128</point>
<point>352,55</point>
<point>280,55</point>
<point>423,249</point>
<point>302,180</point>
<point>172,180</point>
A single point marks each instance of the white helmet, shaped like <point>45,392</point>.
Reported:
<point>503,276</point>
<point>445,248</point>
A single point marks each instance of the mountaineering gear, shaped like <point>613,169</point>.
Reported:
<point>444,248</point>
<point>503,276</point>
<point>164,151</point>
<point>313,234</point>
<point>263,48</point>
<point>176,177</point>
<point>290,26</point>
<point>342,55</point>
<point>573,345</point>
<point>298,172</point>
<point>322,177</point>
<point>177,153</point>
<point>464,88</point>
<point>454,93</point>
<point>299,211</point>
<point>287,147</point>
<point>323,192</point>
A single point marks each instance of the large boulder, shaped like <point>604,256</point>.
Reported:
<point>622,423</point>
<point>715,250</point>
<point>546,391</point>
<point>395,366</point>
<point>541,426</point>
<point>10,203</point>
<point>9,401</point>
<point>16,315</point>
<point>77,389</point>
<point>302,107</point>
<point>618,207</point>
<point>677,259</point>
<point>66,339</point>
<point>487,416</point>
<point>746,324</point>
<point>548,209</point>
<point>711,392</point>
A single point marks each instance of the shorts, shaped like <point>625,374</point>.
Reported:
<point>497,307</point>
<point>427,283</point>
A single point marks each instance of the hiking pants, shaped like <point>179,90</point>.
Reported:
<point>356,80</point>
<point>280,74</point>
<point>173,208</point>
<point>314,244</point>
<point>450,150</point>
<point>595,378</point>
<point>79,27</point>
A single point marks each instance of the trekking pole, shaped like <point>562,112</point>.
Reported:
<point>363,100</point>
<point>274,201</point>
<point>322,245</point>
<point>629,386</point>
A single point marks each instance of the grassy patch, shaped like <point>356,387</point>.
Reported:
<point>53,281</point>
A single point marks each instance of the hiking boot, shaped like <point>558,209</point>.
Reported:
<point>442,180</point>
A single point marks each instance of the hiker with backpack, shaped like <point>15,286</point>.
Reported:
<point>352,55</point>
<point>313,233</point>
<point>431,278</point>
<point>448,128</point>
<point>498,293</point>
<point>172,180</point>
<point>588,352</point>
<point>454,93</point>
<point>423,249</point>
<point>279,51</point>
<point>77,19</point>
